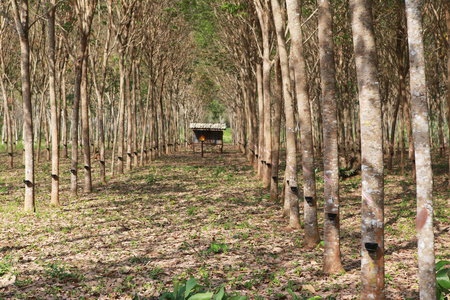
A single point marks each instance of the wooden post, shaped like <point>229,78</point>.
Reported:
<point>202,148</point>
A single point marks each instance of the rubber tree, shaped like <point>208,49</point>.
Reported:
<point>20,10</point>
<point>421,136</point>
<point>53,103</point>
<point>291,180</point>
<point>7,121</point>
<point>447,95</point>
<point>304,112</point>
<point>277,105</point>
<point>124,15</point>
<point>85,11</point>
<point>265,142</point>
<point>100,91</point>
<point>372,211</point>
<point>332,253</point>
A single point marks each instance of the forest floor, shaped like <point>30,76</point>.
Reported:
<point>183,215</point>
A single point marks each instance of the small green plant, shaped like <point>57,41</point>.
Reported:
<point>190,290</point>
<point>151,179</point>
<point>58,272</point>
<point>298,298</point>
<point>443,279</point>
<point>139,259</point>
<point>5,265</point>
<point>191,211</point>
<point>218,248</point>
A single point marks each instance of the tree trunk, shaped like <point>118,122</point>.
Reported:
<point>332,255</point>
<point>54,107</point>
<point>7,121</point>
<point>144,124</point>
<point>419,109</point>
<point>136,98</point>
<point>447,19</point>
<point>121,133</point>
<point>307,148</point>
<point>21,20</point>
<point>129,73</point>
<point>85,127</point>
<point>401,76</point>
<point>259,154</point>
<point>266,157</point>
<point>162,141</point>
<point>276,132</point>
<point>64,127</point>
<point>291,180</point>
<point>372,217</point>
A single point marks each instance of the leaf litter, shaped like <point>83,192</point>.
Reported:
<point>183,216</point>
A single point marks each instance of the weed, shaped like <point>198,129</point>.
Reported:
<point>139,260</point>
<point>5,265</point>
<point>58,271</point>
<point>217,248</point>
<point>443,279</point>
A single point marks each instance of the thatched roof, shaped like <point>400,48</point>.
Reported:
<point>216,126</point>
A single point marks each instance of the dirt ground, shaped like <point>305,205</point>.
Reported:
<point>183,215</point>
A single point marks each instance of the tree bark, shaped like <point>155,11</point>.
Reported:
<point>332,255</point>
<point>121,133</point>
<point>447,95</point>
<point>276,132</point>
<point>21,20</point>
<point>129,73</point>
<point>291,180</point>
<point>85,127</point>
<point>54,106</point>
<point>372,217</point>
<point>309,181</point>
<point>419,110</point>
<point>7,121</point>
<point>259,154</point>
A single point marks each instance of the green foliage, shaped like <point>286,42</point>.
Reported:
<point>298,298</point>
<point>5,265</point>
<point>235,9</point>
<point>151,179</point>
<point>443,279</point>
<point>58,271</point>
<point>216,111</point>
<point>190,290</point>
<point>218,248</point>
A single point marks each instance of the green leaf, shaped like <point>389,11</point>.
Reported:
<point>439,295</point>
<point>293,294</point>
<point>441,264</point>
<point>203,296</point>
<point>166,296</point>
<point>190,284</point>
<point>180,291</point>
<point>315,298</point>
<point>442,278</point>
<point>238,298</point>
<point>220,294</point>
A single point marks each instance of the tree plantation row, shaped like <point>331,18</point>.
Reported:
<point>353,81</point>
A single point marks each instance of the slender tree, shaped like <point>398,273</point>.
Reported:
<point>372,214</point>
<point>419,111</point>
<point>53,103</point>
<point>332,254</point>
<point>20,11</point>
<point>291,180</point>
<point>304,112</point>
